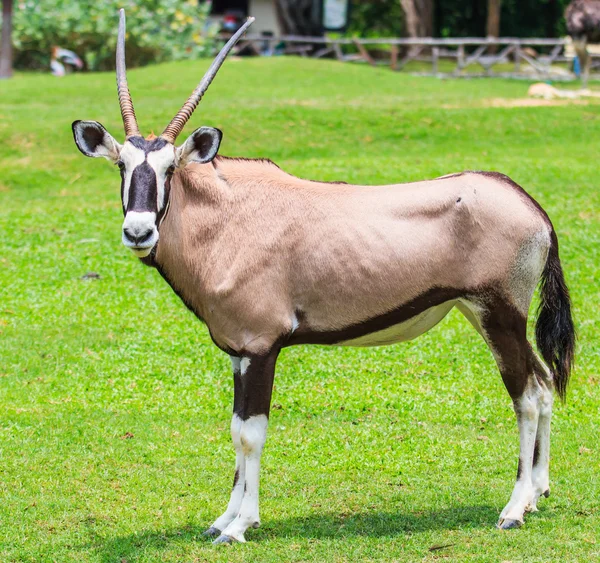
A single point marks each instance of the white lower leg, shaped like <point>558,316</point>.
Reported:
<point>237,493</point>
<point>540,475</point>
<point>522,497</point>
<point>253,434</point>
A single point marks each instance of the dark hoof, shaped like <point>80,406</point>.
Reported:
<point>508,524</point>
<point>212,532</point>
<point>226,540</point>
<point>547,493</point>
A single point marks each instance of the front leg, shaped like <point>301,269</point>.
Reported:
<point>253,384</point>
<point>239,478</point>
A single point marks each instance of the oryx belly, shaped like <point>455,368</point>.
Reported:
<point>407,330</point>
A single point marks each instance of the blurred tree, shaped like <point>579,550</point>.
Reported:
<point>6,45</point>
<point>459,18</point>
<point>493,18</point>
<point>418,17</point>
<point>518,18</point>
<point>299,17</point>
<point>492,28</point>
<point>533,18</point>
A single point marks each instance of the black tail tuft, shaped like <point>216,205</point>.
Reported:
<point>554,330</point>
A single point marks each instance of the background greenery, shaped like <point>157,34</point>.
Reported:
<point>165,30</point>
<point>463,18</point>
<point>158,30</point>
<point>115,405</point>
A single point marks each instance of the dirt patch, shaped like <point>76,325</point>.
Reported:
<point>518,103</point>
<point>306,103</point>
<point>530,102</point>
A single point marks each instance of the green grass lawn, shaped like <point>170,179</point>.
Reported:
<point>115,405</point>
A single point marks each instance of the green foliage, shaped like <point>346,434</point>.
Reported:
<point>533,18</point>
<point>462,18</point>
<point>373,455</point>
<point>157,30</point>
<point>519,18</point>
<point>377,18</point>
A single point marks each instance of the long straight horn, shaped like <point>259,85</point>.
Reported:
<point>178,122</point>
<point>127,112</point>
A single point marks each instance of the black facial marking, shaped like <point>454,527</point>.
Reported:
<point>123,191</point>
<point>148,146</point>
<point>165,208</point>
<point>143,190</point>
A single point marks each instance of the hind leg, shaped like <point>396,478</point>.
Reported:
<point>504,330</point>
<point>541,452</point>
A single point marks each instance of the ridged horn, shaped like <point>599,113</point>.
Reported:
<point>178,122</point>
<point>127,111</point>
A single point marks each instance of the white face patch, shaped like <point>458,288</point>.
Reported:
<point>131,157</point>
<point>160,161</point>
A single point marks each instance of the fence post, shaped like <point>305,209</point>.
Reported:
<point>394,59</point>
<point>435,55</point>
<point>460,61</point>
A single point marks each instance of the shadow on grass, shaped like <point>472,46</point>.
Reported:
<point>315,526</point>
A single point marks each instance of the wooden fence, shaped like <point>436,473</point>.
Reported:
<point>468,57</point>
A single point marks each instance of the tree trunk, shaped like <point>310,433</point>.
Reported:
<point>6,45</point>
<point>298,17</point>
<point>493,21</point>
<point>419,17</point>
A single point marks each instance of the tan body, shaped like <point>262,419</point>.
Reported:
<point>260,255</point>
<point>269,260</point>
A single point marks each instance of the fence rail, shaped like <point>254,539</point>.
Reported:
<point>518,56</point>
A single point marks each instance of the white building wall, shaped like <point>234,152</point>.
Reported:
<point>264,12</point>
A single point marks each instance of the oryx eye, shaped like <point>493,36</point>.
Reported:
<point>121,165</point>
<point>170,170</point>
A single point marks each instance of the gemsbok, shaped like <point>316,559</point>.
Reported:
<point>267,260</point>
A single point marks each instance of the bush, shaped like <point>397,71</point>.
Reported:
<point>157,30</point>
<point>377,18</point>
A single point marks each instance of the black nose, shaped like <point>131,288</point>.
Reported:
<point>135,237</point>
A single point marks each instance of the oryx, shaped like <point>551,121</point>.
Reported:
<point>268,260</point>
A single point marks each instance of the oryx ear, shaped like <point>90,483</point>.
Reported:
<point>93,140</point>
<point>201,146</point>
